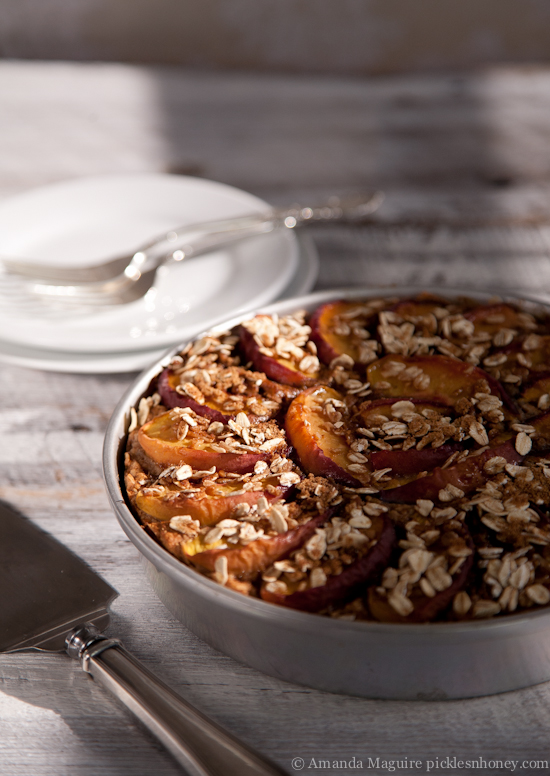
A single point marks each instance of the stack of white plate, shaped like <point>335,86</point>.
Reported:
<point>86,221</point>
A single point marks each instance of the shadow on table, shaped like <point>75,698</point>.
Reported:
<point>47,699</point>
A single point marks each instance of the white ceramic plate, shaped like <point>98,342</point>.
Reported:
<point>86,220</point>
<point>111,363</point>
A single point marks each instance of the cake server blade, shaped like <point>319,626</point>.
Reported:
<point>45,590</point>
<point>50,600</point>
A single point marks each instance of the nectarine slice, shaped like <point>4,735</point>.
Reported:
<point>435,594</point>
<point>493,318</point>
<point>159,440</point>
<point>352,579</point>
<point>441,378</point>
<point>247,560</point>
<point>403,462</point>
<point>215,502</point>
<point>235,389</point>
<point>532,353</point>
<point>420,311</point>
<point>384,407</point>
<point>320,448</point>
<point>168,382</point>
<point>458,479</point>
<point>341,328</point>
<point>287,370</point>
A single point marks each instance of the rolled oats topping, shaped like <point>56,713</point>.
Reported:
<point>383,459</point>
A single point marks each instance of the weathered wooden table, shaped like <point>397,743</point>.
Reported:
<point>465,162</point>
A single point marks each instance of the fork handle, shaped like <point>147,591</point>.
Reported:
<point>192,240</point>
<point>353,208</point>
<point>197,743</point>
<point>178,244</point>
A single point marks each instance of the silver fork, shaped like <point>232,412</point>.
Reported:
<point>126,278</point>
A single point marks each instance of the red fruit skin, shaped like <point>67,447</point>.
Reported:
<point>319,323</point>
<point>318,463</point>
<point>429,608</point>
<point>272,367</point>
<point>170,398</point>
<point>346,585</point>
<point>260,554</point>
<point>404,462</point>
<point>466,475</point>
<point>312,444</point>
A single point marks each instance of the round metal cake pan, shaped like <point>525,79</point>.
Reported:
<point>375,660</point>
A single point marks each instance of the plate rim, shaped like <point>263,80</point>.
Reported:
<point>88,363</point>
<point>125,343</point>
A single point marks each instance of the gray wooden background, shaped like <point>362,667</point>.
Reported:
<point>350,37</point>
<point>464,163</point>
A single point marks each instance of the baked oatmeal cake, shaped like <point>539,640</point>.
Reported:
<point>381,459</point>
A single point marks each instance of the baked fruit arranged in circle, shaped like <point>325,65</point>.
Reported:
<point>378,459</point>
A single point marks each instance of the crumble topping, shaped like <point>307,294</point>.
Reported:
<point>286,337</point>
<point>414,487</point>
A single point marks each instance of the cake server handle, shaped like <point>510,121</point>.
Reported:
<point>197,743</point>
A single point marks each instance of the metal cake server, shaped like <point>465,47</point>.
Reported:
<point>50,600</point>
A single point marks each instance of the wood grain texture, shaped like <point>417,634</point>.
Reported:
<point>349,37</point>
<point>444,221</point>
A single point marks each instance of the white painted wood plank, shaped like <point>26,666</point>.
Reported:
<point>284,138</point>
